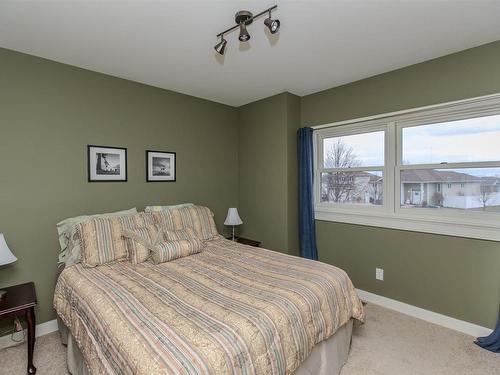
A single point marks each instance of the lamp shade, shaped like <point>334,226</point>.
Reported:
<point>6,256</point>
<point>232,217</point>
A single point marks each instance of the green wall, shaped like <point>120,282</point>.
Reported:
<point>49,112</point>
<point>454,276</point>
<point>267,172</point>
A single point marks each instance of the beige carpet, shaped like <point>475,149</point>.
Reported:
<point>389,343</point>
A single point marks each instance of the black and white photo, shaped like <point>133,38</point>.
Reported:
<point>160,166</point>
<point>106,163</point>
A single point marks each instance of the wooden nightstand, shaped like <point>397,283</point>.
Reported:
<point>245,241</point>
<point>20,300</point>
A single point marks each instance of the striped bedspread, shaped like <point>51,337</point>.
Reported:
<point>231,309</point>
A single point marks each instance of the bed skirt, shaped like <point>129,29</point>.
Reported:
<point>327,358</point>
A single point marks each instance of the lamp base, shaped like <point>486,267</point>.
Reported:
<point>2,294</point>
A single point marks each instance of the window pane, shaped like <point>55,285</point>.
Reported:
<point>473,189</point>
<point>352,187</point>
<point>359,150</point>
<point>470,140</point>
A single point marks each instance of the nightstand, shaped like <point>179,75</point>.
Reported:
<point>20,301</point>
<point>245,241</point>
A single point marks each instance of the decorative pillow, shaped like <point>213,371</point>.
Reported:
<point>101,238</point>
<point>200,218</point>
<point>166,208</point>
<point>66,229</point>
<point>139,240</point>
<point>140,220</point>
<point>181,234</point>
<point>170,250</point>
<point>101,241</point>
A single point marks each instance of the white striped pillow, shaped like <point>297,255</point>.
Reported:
<point>171,250</point>
<point>101,241</point>
<point>138,242</point>
<point>200,218</point>
<point>181,234</point>
<point>101,238</point>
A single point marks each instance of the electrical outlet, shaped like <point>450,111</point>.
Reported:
<point>379,274</point>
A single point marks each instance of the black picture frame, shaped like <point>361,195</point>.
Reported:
<point>93,175</point>
<point>149,162</point>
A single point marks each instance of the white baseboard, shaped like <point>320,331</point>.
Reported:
<point>41,329</point>
<point>429,316</point>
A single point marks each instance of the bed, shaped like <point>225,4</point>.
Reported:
<point>230,309</point>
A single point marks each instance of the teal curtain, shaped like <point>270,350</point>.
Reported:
<point>307,229</point>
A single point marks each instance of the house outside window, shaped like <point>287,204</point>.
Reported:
<point>390,171</point>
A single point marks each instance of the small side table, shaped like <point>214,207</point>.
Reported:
<point>19,301</point>
<point>245,241</point>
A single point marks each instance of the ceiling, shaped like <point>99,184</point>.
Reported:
<point>321,44</point>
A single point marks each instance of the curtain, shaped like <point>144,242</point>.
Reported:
<point>491,342</point>
<point>307,230</point>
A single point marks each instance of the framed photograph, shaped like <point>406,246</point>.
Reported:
<point>106,164</point>
<point>160,166</point>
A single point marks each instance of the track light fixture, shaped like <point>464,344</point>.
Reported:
<point>221,46</point>
<point>244,35</point>
<point>272,25</point>
<point>244,18</point>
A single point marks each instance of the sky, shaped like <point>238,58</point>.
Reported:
<point>368,147</point>
<point>457,141</point>
<point>467,140</point>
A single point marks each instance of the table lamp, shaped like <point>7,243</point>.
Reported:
<point>233,218</point>
<point>6,257</point>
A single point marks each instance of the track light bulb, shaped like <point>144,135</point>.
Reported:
<point>272,25</point>
<point>244,35</point>
<point>221,46</point>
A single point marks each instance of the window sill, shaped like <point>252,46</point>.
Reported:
<point>414,223</point>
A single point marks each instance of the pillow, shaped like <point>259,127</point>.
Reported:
<point>101,238</point>
<point>200,218</point>
<point>181,234</point>
<point>139,240</point>
<point>170,250</point>
<point>166,208</point>
<point>73,253</point>
<point>139,220</point>
<point>65,230</point>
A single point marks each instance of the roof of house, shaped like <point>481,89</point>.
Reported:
<point>426,176</point>
<point>433,175</point>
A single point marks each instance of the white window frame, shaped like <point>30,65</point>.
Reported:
<point>481,225</point>
<point>362,128</point>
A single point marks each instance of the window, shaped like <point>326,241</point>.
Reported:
<point>351,170</point>
<point>435,170</point>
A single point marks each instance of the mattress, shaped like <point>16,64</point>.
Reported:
<point>231,309</point>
